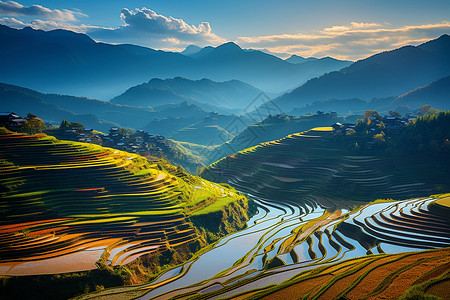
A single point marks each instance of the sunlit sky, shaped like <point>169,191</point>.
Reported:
<point>345,29</point>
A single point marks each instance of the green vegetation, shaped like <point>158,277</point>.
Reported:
<point>216,206</point>
<point>334,253</point>
<point>32,125</point>
<point>375,276</point>
<point>371,163</point>
<point>272,128</point>
<point>98,208</point>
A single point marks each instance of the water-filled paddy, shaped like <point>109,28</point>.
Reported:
<point>240,258</point>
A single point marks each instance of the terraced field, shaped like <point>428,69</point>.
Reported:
<point>370,277</point>
<point>65,205</point>
<point>329,253</point>
<point>307,164</point>
<point>308,239</point>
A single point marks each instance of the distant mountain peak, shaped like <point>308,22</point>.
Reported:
<point>191,49</point>
<point>444,36</point>
<point>296,56</point>
<point>28,28</point>
<point>381,75</point>
<point>438,46</point>
<point>72,64</point>
<point>230,46</point>
<point>297,59</point>
<point>180,78</point>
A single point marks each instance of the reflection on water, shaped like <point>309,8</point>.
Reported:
<point>242,254</point>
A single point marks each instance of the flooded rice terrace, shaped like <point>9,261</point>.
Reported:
<point>284,239</point>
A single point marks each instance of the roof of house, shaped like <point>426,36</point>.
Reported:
<point>19,120</point>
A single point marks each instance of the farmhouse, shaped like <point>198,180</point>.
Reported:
<point>11,120</point>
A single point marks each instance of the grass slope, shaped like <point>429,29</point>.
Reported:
<point>270,129</point>
<point>314,164</point>
<point>61,199</point>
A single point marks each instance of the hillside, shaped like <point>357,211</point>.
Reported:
<point>272,128</point>
<point>311,191</point>
<point>93,207</point>
<point>380,250</point>
<point>384,74</point>
<point>342,107</point>
<point>208,94</point>
<point>97,114</point>
<point>417,275</point>
<point>259,69</point>
<point>93,113</point>
<point>23,101</point>
<point>214,129</point>
<point>326,164</point>
<point>436,94</point>
<point>65,62</point>
<point>295,59</point>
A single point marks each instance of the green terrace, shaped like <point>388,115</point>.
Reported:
<point>285,246</point>
<point>312,164</point>
<point>82,204</point>
<point>315,219</point>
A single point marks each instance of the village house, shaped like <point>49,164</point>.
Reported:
<point>11,120</point>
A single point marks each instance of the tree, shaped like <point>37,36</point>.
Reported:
<point>379,138</point>
<point>350,132</point>
<point>64,124</point>
<point>31,116</point>
<point>394,114</point>
<point>370,114</point>
<point>33,125</point>
<point>427,110</point>
<point>124,131</point>
<point>77,126</point>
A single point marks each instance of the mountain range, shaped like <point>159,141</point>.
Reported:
<point>436,94</point>
<point>181,121</point>
<point>382,75</point>
<point>64,62</point>
<point>208,94</point>
<point>296,59</point>
<point>97,114</point>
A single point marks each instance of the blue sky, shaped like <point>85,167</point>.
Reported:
<point>346,29</point>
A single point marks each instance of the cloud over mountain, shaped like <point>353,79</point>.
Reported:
<point>142,26</point>
<point>14,9</point>
<point>154,29</point>
<point>355,40</point>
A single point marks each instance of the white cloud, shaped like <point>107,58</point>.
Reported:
<point>352,41</point>
<point>14,9</point>
<point>353,25</point>
<point>142,26</point>
<point>146,27</point>
<point>48,25</point>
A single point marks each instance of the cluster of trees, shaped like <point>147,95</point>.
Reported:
<point>32,125</point>
<point>78,127</point>
<point>427,109</point>
<point>427,135</point>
